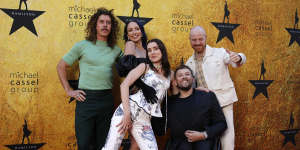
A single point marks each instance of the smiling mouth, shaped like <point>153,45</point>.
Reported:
<point>185,81</point>
<point>154,58</point>
<point>135,36</point>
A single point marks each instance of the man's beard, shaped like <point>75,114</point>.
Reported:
<point>202,49</point>
<point>188,87</point>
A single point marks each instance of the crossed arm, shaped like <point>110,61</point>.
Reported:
<point>133,75</point>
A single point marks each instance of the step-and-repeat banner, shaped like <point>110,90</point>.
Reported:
<point>35,112</point>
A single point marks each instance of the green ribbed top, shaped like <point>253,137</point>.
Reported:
<point>95,63</point>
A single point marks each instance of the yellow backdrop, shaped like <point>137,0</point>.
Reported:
<point>30,88</point>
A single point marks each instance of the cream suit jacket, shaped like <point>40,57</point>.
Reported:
<point>216,73</point>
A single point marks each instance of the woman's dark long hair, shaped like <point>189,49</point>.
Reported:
<point>144,36</point>
<point>164,59</point>
<point>91,32</point>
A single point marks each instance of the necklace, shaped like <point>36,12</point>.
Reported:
<point>157,67</point>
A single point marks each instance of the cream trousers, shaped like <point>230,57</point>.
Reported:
<point>227,139</point>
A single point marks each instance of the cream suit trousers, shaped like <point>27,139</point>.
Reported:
<point>227,139</point>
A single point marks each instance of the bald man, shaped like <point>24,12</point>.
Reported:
<point>210,66</point>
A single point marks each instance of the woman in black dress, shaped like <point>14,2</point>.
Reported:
<point>134,54</point>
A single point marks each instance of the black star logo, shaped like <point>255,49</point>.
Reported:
<point>22,18</point>
<point>25,146</point>
<point>225,30</point>
<point>295,35</point>
<point>28,146</point>
<point>289,135</point>
<point>141,20</point>
<point>261,87</point>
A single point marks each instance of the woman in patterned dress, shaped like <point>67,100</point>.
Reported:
<point>135,112</point>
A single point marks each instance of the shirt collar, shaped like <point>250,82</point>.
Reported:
<point>101,43</point>
<point>208,52</point>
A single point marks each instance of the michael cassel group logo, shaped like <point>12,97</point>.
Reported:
<point>24,82</point>
<point>79,16</point>
<point>22,17</point>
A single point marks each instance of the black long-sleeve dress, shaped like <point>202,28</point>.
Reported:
<point>125,65</point>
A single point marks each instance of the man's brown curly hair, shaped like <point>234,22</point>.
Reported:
<point>91,32</point>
